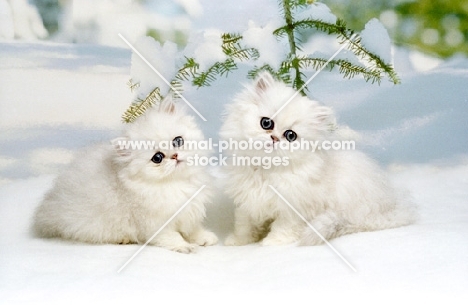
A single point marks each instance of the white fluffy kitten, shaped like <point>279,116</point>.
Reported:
<point>110,194</point>
<point>338,192</point>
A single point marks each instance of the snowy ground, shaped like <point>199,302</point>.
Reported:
<point>56,98</point>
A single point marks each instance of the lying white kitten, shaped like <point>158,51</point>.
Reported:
<point>338,192</point>
<point>110,194</point>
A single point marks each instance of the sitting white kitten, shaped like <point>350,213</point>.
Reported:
<point>338,192</point>
<point>113,194</point>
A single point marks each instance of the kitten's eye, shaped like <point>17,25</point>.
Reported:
<point>267,123</point>
<point>158,157</point>
<point>290,135</point>
<point>178,141</point>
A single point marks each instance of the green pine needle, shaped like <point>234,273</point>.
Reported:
<point>133,86</point>
<point>281,74</point>
<point>141,105</point>
<point>188,70</point>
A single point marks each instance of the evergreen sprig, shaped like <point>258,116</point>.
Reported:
<point>220,68</point>
<point>281,74</point>
<point>188,70</point>
<point>133,86</point>
<point>346,68</point>
<point>141,105</point>
<point>345,35</point>
<point>374,73</point>
<point>234,52</point>
<point>233,49</point>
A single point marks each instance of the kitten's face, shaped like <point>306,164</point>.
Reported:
<point>252,116</point>
<point>170,131</point>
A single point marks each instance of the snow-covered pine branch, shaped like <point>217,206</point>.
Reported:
<point>233,51</point>
<point>274,47</point>
<point>323,22</point>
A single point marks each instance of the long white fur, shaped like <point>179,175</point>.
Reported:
<point>338,192</point>
<point>114,195</point>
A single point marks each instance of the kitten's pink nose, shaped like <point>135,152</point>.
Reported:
<point>274,138</point>
<point>174,156</point>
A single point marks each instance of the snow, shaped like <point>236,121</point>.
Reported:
<point>206,48</point>
<point>233,16</point>
<point>20,19</point>
<point>272,51</point>
<point>318,11</point>
<point>375,38</point>
<point>7,30</point>
<point>162,57</point>
<point>57,98</point>
<point>422,119</point>
<point>192,7</point>
<point>423,62</point>
<point>58,81</point>
<point>100,21</point>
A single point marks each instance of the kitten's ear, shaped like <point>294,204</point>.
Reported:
<point>167,105</point>
<point>263,81</point>
<point>121,146</point>
<point>325,118</point>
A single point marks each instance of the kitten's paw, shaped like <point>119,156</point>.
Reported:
<point>125,241</point>
<point>206,238</point>
<point>202,238</point>
<point>184,248</point>
<point>233,240</point>
<point>278,241</point>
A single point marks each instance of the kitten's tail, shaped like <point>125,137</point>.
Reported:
<point>330,225</point>
<point>403,214</point>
